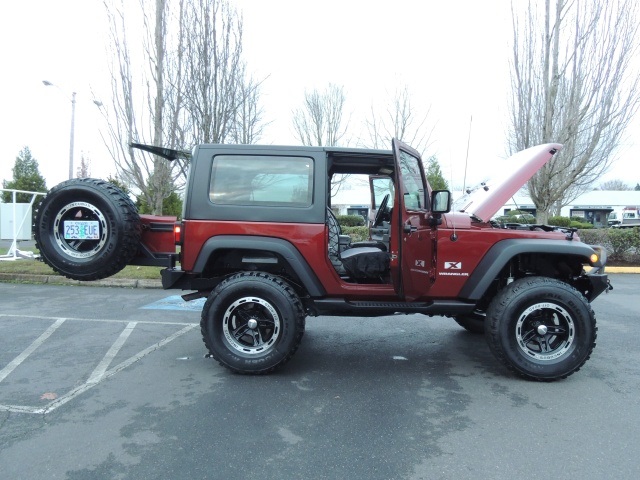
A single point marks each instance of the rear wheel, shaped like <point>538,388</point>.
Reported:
<point>87,229</point>
<point>252,323</point>
<point>541,328</point>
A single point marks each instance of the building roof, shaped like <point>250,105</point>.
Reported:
<point>607,198</point>
<point>596,199</point>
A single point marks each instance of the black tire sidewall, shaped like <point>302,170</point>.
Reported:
<point>265,287</point>
<point>122,229</point>
<point>503,314</point>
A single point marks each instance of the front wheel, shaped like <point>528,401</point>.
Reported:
<point>252,323</point>
<point>541,328</point>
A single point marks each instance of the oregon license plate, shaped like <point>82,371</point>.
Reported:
<point>81,230</point>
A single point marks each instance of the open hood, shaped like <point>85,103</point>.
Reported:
<point>487,198</point>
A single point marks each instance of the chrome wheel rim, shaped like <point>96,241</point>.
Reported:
<point>545,331</point>
<point>79,248</point>
<point>251,325</point>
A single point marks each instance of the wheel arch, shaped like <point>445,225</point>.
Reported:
<point>499,256</point>
<point>283,249</point>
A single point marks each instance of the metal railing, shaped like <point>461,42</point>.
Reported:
<point>14,253</point>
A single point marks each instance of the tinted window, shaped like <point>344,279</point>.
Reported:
<point>262,180</point>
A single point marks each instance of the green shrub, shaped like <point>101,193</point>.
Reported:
<point>621,240</point>
<point>596,236</point>
<point>357,234</point>
<point>581,225</point>
<point>350,220</point>
<point>559,221</point>
<point>636,240</point>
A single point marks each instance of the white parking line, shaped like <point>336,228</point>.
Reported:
<point>15,363</point>
<point>98,320</point>
<point>100,373</point>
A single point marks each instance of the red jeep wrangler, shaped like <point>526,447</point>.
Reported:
<point>259,239</point>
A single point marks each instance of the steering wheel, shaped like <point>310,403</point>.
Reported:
<point>381,211</point>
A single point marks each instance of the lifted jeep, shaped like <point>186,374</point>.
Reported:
<point>259,239</point>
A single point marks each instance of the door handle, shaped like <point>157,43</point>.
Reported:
<point>408,228</point>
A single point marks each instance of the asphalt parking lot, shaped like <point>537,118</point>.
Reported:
<point>113,383</point>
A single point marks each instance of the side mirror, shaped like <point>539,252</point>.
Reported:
<point>440,201</point>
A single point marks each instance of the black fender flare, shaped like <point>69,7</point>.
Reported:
<point>279,246</point>
<point>502,252</point>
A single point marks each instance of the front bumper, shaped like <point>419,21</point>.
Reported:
<point>598,282</point>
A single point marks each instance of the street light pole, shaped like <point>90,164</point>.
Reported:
<point>73,125</point>
<point>71,135</point>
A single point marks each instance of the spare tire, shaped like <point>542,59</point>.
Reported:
<point>87,229</point>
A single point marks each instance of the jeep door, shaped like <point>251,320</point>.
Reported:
<point>413,271</point>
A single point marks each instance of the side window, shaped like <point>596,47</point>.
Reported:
<point>383,186</point>
<point>413,192</point>
<point>261,180</point>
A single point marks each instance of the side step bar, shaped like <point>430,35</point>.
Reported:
<point>330,306</point>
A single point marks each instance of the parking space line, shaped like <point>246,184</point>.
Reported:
<point>99,374</point>
<point>15,363</point>
<point>83,388</point>
<point>99,371</point>
<point>98,320</point>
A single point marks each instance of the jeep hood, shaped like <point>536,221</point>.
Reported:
<point>487,198</point>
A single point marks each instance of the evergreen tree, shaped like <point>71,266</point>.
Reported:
<point>434,175</point>
<point>171,205</point>
<point>637,187</point>
<point>26,176</point>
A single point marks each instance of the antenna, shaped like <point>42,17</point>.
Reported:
<point>454,235</point>
<point>464,182</point>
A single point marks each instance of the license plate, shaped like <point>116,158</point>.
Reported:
<point>81,230</point>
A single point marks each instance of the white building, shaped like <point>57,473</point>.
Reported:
<point>593,206</point>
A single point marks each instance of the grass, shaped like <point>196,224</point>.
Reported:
<point>36,267</point>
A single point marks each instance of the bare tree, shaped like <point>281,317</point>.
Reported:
<point>214,65</point>
<point>84,169</point>
<point>572,83</point>
<point>249,124</point>
<point>320,121</point>
<point>400,120</point>
<point>193,88</point>
<point>148,95</point>
<point>616,185</point>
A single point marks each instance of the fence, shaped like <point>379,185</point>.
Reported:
<point>14,253</point>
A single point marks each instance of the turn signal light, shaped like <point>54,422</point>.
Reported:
<point>599,256</point>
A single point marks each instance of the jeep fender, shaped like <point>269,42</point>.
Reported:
<point>281,247</point>
<point>502,252</point>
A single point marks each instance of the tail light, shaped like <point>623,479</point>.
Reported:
<point>177,233</point>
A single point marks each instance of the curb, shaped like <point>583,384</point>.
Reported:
<point>148,283</point>
<point>621,269</point>
<point>58,280</point>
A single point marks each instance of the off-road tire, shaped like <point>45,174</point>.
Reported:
<point>90,200</point>
<point>541,328</point>
<point>252,323</point>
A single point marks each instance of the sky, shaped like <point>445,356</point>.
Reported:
<point>453,56</point>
